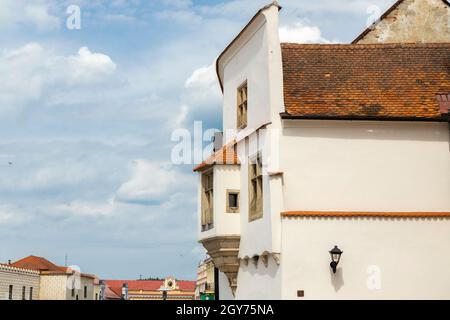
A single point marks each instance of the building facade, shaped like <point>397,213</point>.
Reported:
<point>49,281</point>
<point>204,287</point>
<point>341,145</point>
<point>18,284</point>
<point>167,289</point>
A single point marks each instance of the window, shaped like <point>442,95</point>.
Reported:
<point>255,192</point>
<point>96,296</point>
<point>232,201</point>
<point>73,292</point>
<point>23,292</point>
<point>242,106</point>
<point>85,292</point>
<point>207,200</point>
<point>10,292</point>
<point>31,293</point>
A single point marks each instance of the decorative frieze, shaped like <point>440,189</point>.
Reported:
<point>224,252</point>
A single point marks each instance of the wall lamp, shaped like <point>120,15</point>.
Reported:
<point>335,254</point>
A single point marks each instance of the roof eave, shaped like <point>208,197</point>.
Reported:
<point>287,116</point>
<point>274,3</point>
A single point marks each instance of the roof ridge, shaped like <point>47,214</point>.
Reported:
<point>291,45</point>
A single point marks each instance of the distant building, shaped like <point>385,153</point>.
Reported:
<point>18,283</point>
<point>37,278</point>
<point>150,289</point>
<point>204,289</point>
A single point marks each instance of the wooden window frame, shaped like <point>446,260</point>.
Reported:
<point>207,203</point>
<point>229,209</point>
<point>10,292</point>
<point>85,292</point>
<point>31,293</point>
<point>242,106</point>
<point>255,188</point>
<point>24,292</point>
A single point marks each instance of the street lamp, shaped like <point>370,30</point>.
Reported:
<point>164,290</point>
<point>335,254</point>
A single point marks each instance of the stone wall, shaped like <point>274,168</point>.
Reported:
<point>413,21</point>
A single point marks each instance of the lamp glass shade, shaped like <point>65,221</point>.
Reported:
<point>335,254</point>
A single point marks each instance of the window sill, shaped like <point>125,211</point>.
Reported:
<point>207,227</point>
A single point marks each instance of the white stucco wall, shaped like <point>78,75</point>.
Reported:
<point>259,282</point>
<point>366,166</point>
<point>226,177</point>
<point>224,288</point>
<point>256,58</point>
<point>406,257</point>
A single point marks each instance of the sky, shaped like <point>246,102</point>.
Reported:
<point>87,117</point>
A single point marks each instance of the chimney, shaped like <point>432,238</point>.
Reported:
<point>444,103</point>
<point>218,141</point>
<point>125,291</point>
<point>9,262</point>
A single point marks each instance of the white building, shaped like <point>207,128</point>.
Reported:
<point>328,145</point>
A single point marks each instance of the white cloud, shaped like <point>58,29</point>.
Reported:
<point>29,71</point>
<point>186,17</point>
<point>87,66</point>
<point>39,16</point>
<point>81,208</point>
<point>202,93</point>
<point>11,215</point>
<point>177,3</point>
<point>150,183</point>
<point>203,77</point>
<point>300,33</point>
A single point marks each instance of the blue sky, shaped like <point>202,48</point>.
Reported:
<point>86,118</point>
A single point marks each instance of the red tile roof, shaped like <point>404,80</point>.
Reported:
<point>37,263</point>
<point>149,285</point>
<point>45,267</point>
<point>226,155</point>
<point>113,293</point>
<point>365,214</point>
<point>375,81</point>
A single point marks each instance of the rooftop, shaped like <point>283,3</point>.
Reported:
<point>374,81</point>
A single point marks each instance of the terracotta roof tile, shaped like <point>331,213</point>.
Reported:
<point>374,81</point>
<point>226,155</point>
<point>365,214</point>
<point>148,285</point>
<point>37,263</point>
<point>45,267</point>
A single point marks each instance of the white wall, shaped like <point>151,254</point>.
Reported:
<point>366,166</point>
<point>225,292</point>
<point>411,255</point>
<point>261,235</point>
<point>259,283</point>
<point>226,177</point>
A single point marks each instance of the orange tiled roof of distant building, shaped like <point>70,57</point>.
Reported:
<point>148,285</point>
<point>44,266</point>
<point>226,155</point>
<point>37,263</point>
<point>373,81</point>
